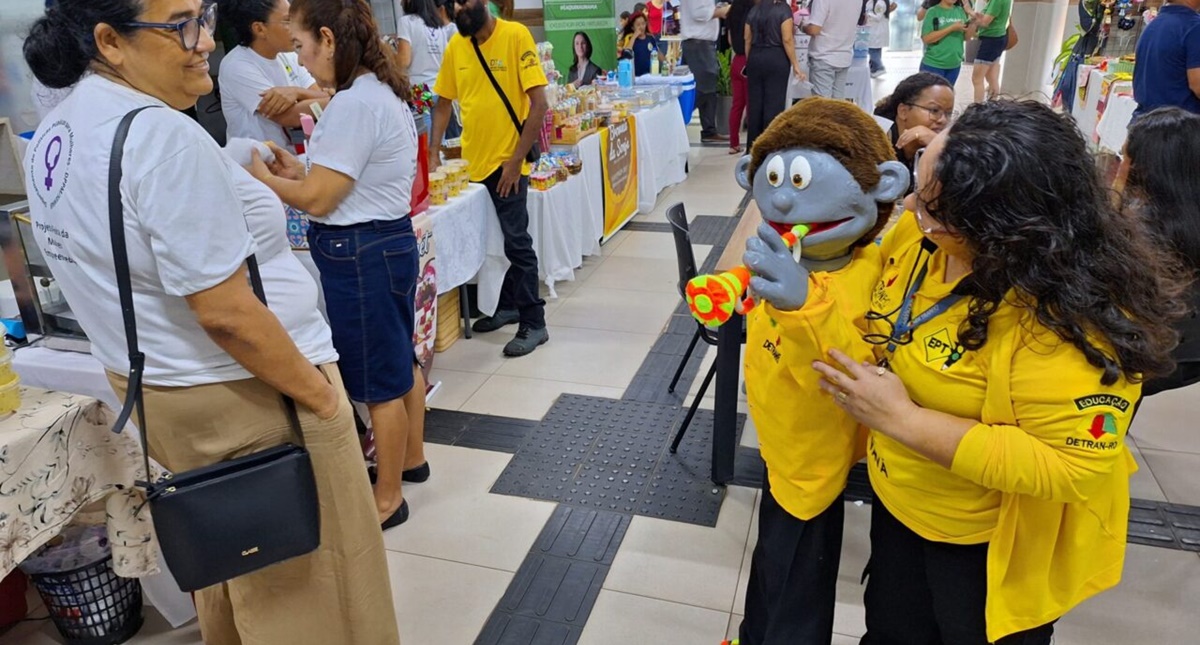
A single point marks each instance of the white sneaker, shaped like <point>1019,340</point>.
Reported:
<point>877,73</point>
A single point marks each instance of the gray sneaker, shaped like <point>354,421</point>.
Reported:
<point>526,341</point>
<point>500,319</point>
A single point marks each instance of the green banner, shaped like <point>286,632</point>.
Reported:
<point>595,18</point>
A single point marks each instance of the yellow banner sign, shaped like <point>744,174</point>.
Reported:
<point>618,157</point>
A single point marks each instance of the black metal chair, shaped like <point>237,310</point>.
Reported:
<point>686,259</point>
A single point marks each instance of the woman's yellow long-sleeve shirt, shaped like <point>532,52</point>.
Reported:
<point>1043,477</point>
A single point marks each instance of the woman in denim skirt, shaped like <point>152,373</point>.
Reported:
<point>361,163</point>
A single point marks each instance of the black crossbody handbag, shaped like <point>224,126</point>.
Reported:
<point>534,154</point>
<point>234,517</point>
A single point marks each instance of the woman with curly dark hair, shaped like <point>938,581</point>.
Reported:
<point>1013,318</point>
<point>1162,154</point>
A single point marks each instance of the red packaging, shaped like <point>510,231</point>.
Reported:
<point>12,598</point>
<point>419,201</point>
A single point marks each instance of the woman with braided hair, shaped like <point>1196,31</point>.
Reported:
<point>362,157</point>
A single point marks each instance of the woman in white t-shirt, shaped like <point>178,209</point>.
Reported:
<point>422,32</point>
<point>217,358</point>
<point>363,157</point>
<point>264,89</point>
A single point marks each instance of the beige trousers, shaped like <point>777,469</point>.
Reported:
<point>338,595</point>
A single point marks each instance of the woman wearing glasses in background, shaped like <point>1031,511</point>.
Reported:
<point>217,358</point>
<point>918,110</point>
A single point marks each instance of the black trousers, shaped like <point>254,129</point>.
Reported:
<point>793,576</point>
<point>928,593</point>
<point>701,59</point>
<point>520,290</point>
<point>768,72</point>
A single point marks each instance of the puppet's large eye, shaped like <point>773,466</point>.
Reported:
<point>801,173</point>
<point>775,171</point>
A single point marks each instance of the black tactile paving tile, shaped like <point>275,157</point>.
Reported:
<point>507,629</point>
<point>612,456</point>
<point>582,534</point>
<point>749,469</point>
<point>553,592</point>
<point>481,431</point>
<point>649,227</point>
<point>711,229</point>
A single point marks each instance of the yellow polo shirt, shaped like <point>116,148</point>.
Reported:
<point>1043,477</point>
<point>489,135</point>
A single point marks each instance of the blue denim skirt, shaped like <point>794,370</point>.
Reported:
<point>369,275</point>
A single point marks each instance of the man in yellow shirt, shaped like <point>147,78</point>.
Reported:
<point>503,105</point>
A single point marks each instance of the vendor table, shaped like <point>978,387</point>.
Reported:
<point>1099,92</point>
<point>58,455</point>
<point>662,141</point>
<point>563,232</point>
<point>1114,125</point>
<point>683,87</point>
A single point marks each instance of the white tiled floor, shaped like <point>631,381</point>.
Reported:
<point>676,584</point>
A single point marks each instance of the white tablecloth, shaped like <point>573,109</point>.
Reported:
<point>563,231</point>
<point>59,455</point>
<point>663,146</point>
<point>83,375</point>
<point>460,227</point>
<point>1114,125</point>
<point>677,82</point>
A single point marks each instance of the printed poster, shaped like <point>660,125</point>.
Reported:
<point>618,160</point>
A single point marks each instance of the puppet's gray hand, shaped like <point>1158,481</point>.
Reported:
<point>777,278</point>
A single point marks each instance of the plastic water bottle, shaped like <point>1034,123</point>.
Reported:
<point>653,60</point>
<point>625,73</point>
<point>861,42</point>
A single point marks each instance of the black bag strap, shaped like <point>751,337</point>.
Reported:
<point>512,114</point>
<point>137,360</point>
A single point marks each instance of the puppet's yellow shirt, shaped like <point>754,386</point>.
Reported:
<point>806,440</point>
<point>1043,477</point>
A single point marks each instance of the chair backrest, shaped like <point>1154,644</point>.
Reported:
<point>685,257</point>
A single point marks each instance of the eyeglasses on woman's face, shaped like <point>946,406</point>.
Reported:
<point>188,30</point>
<point>935,113</point>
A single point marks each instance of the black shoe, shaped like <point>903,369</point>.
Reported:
<point>397,518</point>
<point>416,475</point>
<point>492,323</point>
<point>526,341</point>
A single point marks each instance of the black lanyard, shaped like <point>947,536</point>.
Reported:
<point>905,323</point>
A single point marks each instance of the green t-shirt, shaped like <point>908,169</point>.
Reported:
<point>946,53</point>
<point>1000,10</point>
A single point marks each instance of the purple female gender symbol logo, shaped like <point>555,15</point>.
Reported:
<point>52,164</point>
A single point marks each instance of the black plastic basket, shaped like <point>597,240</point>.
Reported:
<point>92,605</point>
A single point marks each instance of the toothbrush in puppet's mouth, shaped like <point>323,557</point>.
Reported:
<point>783,228</point>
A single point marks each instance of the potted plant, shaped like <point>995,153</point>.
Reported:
<point>724,90</point>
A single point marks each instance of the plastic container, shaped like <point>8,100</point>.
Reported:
<point>862,41</point>
<point>10,397</point>
<point>625,73</point>
<point>89,604</point>
<point>6,370</point>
